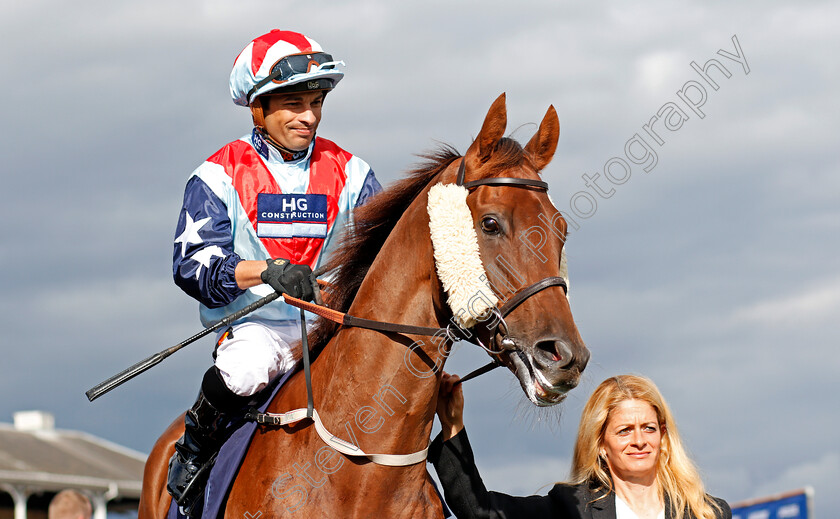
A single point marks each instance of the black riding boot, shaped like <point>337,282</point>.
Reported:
<point>203,436</point>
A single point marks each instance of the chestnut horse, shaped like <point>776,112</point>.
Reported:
<point>379,390</point>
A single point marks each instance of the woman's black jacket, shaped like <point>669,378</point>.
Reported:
<point>468,498</point>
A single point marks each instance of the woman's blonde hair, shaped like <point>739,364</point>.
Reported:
<point>675,473</point>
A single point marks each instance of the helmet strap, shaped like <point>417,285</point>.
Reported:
<point>257,113</point>
<point>287,154</point>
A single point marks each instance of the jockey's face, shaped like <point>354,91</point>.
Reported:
<point>291,119</point>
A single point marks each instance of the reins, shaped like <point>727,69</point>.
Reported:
<point>368,324</point>
<point>451,333</point>
<point>341,318</point>
<point>290,417</point>
<point>346,448</point>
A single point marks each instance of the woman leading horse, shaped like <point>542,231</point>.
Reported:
<point>629,462</point>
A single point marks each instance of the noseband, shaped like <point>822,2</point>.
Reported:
<point>519,297</point>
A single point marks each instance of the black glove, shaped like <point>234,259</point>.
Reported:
<point>285,278</point>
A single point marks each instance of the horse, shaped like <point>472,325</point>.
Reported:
<point>378,390</point>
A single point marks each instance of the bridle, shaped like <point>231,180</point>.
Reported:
<point>497,329</point>
<point>450,333</point>
<point>518,297</point>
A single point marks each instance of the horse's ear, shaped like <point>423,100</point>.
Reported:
<point>543,144</point>
<point>491,131</point>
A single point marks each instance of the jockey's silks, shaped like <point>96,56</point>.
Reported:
<point>246,203</point>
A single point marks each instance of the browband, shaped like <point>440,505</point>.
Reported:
<point>501,181</point>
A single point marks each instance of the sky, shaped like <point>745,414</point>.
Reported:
<point>711,269</point>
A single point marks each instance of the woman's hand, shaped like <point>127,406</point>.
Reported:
<point>450,406</point>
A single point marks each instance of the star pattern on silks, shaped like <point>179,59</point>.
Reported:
<point>204,256</point>
<point>190,234</point>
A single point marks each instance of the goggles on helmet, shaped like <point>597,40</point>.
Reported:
<point>295,64</point>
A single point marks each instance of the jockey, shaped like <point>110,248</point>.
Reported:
<point>258,216</point>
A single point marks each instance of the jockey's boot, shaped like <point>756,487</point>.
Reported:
<point>196,450</point>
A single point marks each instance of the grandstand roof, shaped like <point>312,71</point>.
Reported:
<point>36,455</point>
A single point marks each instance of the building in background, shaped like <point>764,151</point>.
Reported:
<point>37,461</point>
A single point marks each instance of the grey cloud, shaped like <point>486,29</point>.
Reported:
<point>714,273</point>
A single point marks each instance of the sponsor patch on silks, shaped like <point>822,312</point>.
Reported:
<point>291,216</point>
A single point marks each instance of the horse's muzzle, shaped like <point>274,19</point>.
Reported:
<point>548,368</point>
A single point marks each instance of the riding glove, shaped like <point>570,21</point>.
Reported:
<point>286,278</point>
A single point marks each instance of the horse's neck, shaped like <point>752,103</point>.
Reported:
<point>384,385</point>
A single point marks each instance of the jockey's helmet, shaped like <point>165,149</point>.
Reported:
<point>281,62</point>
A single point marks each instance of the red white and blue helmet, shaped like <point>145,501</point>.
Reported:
<point>283,61</point>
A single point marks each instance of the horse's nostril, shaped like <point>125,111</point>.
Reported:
<point>583,358</point>
<point>556,352</point>
<point>549,348</point>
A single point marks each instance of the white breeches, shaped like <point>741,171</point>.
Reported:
<point>257,353</point>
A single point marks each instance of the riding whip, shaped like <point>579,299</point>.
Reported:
<point>126,375</point>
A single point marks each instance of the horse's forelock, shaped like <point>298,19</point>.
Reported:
<point>509,154</point>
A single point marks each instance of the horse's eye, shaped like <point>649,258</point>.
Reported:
<point>489,225</point>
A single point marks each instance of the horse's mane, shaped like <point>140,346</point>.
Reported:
<point>361,242</point>
<point>374,221</point>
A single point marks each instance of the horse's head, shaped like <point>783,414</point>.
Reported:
<point>520,307</point>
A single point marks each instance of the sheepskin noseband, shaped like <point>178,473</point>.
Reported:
<point>457,257</point>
